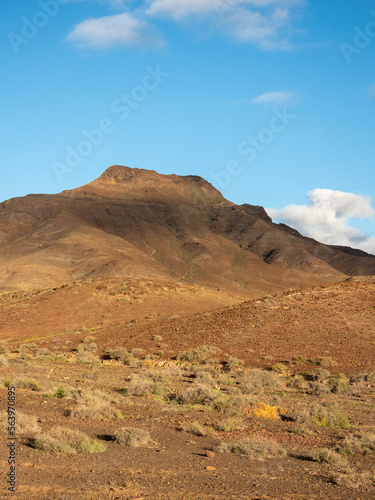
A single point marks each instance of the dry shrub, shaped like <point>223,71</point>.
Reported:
<point>279,368</point>
<point>327,456</point>
<point>85,347</point>
<point>4,348</point>
<point>255,448</point>
<point>317,389</point>
<point>65,440</point>
<point>297,382</point>
<point>24,423</point>
<point>156,375</point>
<point>258,380</point>
<point>87,358</point>
<point>139,386</point>
<point>3,361</point>
<point>120,354</point>
<point>262,410</point>
<point>359,443</point>
<point>338,383</point>
<point>232,424</point>
<point>367,378</point>
<point>355,480</point>
<point>321,375</point>
<point>328,414</point>
<point>94,405</point>
<point>199,394</point>
<point>204,378</point>
<point>198,429</point>
<point>58,390</point>
<point>233,364</point>
<point>26,384</point>
<point>325,361</point>
<point>198,354</point>
<point>133,436</point>
<point>173,371</point>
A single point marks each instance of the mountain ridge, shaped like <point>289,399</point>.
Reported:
<point>136,223</point>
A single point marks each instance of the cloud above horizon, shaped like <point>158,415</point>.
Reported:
<point>267,24</point>
<point>276,98</point>
<point>326,218</point>
<point>116,30</point>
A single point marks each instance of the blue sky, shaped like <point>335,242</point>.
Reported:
<point>270,100</point>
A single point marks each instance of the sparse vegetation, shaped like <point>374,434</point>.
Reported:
<point>255,448</point>
<point>259,380</point>
<point>363,443</point>
<point>328,414</point>
<point>65,440</point>
<point>262,410</point>
<point>329,457</point>
<point>133,436</point>
<point>198,354</point>
<point>25,423</point>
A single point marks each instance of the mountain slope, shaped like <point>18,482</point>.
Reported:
<point>140,224</point>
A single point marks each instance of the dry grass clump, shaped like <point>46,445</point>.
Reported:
<point>354,480</point>
<point>279,368</point>
<point>262,410</point>
<point>94,405</point>
<point>297,382</point>
<point>329,457</point>
<point>199,394</point>
<point>198,354</point>
<point>231,424</point>
<point>4,349</point>
<point>255,448</point>
<point>205,378</point>
<point>367,378</point>
<point>119,354</point>
<point>87,358</point>
<point>328,414</point>
<point>325,361</point>
<point>3,361</point>
<point>317,389</point>
<point>24,383</point>
<point>359,443</point>
<point>173,371</point>
<point>322,361</point>
<point>133,436</point>
<point>26,350</point>
<point>338,383</point>
<point>258,380</point>
<point>24,423</point>
<point>58,391</point>
<point>321,375</point>
<point>139,386</point>
<point>233,363</point>
<point>87,347</point>
<point>199,429</point>
<point>65,440</point>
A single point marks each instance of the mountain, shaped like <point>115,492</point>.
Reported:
<point>137,224</point>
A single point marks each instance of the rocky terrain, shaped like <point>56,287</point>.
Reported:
<point>165,343</point>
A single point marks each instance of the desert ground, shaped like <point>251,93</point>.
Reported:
<point>150,389</point>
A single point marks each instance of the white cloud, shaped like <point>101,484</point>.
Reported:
<point>326,218</point>
<point>109,31</point>
<point>264,23</point>
<point>276,98</point>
